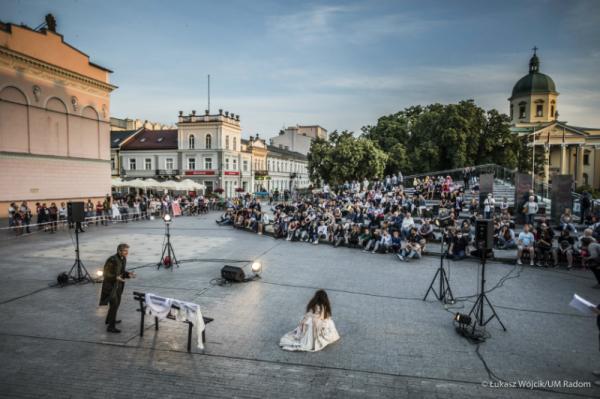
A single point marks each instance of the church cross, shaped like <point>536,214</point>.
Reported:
<point>535,49</point>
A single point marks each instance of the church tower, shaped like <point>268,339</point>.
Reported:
<point>534,97</point>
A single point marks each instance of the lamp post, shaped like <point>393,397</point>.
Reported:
<point>533,161</point>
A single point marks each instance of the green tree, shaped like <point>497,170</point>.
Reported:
<point>437,136</point>
<point>344,158</point>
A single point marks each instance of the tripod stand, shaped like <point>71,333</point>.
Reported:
<point>477,309</point>
<point>82,273</point>
<point>445,292</point>
<point>168,249</point>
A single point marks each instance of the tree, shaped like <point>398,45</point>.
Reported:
<point>437,136</point>
<point>345,158</point>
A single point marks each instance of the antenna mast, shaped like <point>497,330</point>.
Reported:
<point>209,93</point>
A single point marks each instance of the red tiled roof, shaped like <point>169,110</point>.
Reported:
<point>152,140</point>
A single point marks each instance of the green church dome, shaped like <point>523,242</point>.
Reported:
<point>534,81</point>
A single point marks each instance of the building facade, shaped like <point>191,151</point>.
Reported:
<point>54,119</point>
<point>150,154</point>
<point>567,149</point>
<point>298,138</point>
<point>209,150</point>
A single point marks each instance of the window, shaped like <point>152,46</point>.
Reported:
<point>132,164</point>
<point>226,163</point>
<point>521,111</point>
<point>207,163</point>
<point>112,163</point>
<point>234,164</point>
<point>192,163</point>
<point>235,144</point>
<point>169,163</point>
<point>148,163</point>
<point>511,111</point>
<point>245,166</point>
<point>191,142</point>
<point>226,142</point>
<point>552,114</point>
<point>208,141</point>
<point>586,158</point>
<point>539,110</point>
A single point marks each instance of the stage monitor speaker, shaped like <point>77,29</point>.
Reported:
<point>484,234</point>
<point>233,273</point>
<point>75,212</point>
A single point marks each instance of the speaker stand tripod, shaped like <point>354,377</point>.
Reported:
<point>445,292</point>
<point>78,272</point>
<point>168,250</point>
<point>482,299</point>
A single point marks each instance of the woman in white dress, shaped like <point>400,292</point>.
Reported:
<point>316,330</point>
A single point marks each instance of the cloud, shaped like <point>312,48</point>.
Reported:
<point>345,24</point>
<point>309,25</point>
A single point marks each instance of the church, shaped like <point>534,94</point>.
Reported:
<point>568,149</point>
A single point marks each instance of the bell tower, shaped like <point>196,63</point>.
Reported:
<point>534,97</point>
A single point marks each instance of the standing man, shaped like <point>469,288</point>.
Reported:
<point>112,287</point>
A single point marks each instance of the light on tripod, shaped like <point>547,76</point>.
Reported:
<point>167,218</point>
<point>462,319</point>
<point>256,268</point>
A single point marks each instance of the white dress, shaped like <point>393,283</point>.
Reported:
<point>312,334</point>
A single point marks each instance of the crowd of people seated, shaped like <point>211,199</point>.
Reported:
<point>380,217</point>
<point>375,217</point>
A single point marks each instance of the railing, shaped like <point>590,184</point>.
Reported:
<point>499,172</point>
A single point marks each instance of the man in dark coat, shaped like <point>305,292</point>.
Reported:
<point>112,286</point>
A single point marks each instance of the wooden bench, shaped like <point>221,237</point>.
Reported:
<point>141,298</point>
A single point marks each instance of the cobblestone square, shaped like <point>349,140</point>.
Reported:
<point>394,344</point>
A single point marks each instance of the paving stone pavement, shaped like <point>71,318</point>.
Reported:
<point>53,342</point>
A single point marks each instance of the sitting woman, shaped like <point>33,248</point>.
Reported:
<point>506,238</point>
<point>566,222</point>
<point>316,330</point>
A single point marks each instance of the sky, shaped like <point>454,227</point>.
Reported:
<point>341,65</point>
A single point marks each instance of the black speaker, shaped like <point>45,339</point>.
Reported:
<point>75,212</point>
<point>484,234</point>
<point>232,273</point>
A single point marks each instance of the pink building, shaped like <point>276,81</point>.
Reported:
<point>54,119</point>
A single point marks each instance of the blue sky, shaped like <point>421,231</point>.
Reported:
<point>338,64</point>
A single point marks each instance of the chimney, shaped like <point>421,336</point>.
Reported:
<point>227,114</point>
<point>193,112</point>
<point>206,112</point>
<point>220,111</point>
<point>180,113</point>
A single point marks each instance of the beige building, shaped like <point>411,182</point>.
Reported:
<point>54,119</point>
<point>567,149</point>
<point>298,138</point>
<point>210,151</point>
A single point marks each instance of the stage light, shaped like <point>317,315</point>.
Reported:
<point>167,218</point>
<point>99,273</point>
<point>256,267</point>
<point>462,319</point>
